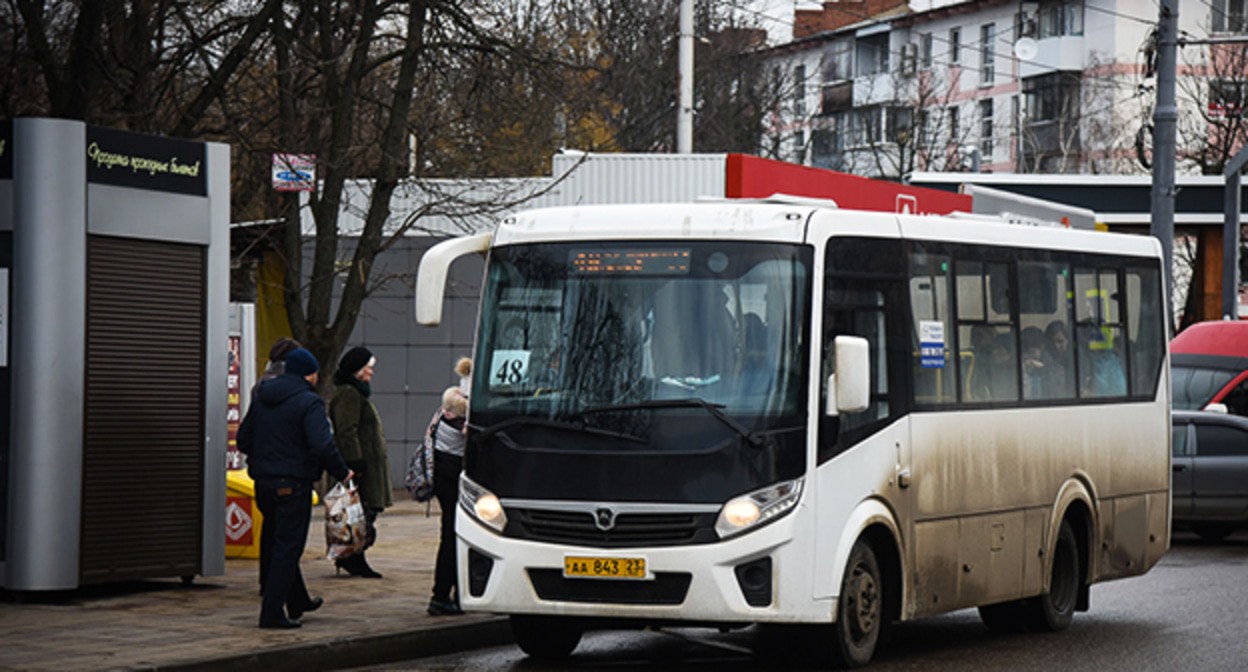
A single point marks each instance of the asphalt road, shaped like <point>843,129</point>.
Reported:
<point>1189,613</point>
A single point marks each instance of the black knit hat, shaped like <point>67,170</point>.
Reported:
<point>353,360</point>
<point>301,363</point>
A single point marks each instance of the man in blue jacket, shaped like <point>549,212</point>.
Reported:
<point>288,442</point>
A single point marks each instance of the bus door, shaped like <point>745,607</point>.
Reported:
<point>867,454</point>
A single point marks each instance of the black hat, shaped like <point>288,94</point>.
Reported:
<point>353,360</point>
<point>301,363</point>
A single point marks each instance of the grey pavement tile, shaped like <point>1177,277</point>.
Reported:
<point>160,622</point>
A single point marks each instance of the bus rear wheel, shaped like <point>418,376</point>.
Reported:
<point>546,637</point>
<point>1052,611</point>
<point>859,610</point>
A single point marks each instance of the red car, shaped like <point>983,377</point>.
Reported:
<point>1209,368</point>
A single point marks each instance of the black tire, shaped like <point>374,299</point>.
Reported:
<point>1052,611</point>
<point>187,579</point>
<point>860,611</point>
<point>1005,617</point>
<point>546,637</point>
<point>1213,532</point>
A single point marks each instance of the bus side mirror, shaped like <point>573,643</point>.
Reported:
<point>431,278</point>
<point>849,389</point>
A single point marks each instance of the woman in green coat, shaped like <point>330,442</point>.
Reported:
<point>357,431</point>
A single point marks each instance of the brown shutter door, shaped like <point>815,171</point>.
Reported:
<point>143,449</point>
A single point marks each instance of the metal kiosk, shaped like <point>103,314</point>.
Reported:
<point>114,279</point>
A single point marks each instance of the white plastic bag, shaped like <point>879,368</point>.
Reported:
<point>345,528</point>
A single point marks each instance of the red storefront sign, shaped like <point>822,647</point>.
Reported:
<point>752,177</point>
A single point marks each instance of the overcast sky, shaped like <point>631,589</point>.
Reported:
<point>776,15</point>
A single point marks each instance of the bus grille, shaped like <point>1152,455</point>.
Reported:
<point>630,529</point>
<point>665,588</point>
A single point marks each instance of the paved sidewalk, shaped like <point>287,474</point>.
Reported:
<point>211,624</point>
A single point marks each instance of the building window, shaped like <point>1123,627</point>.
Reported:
<point>985,129</point>
<point>925,50</point>
<point>866,126</point>
<point>987,53</point>
<point>923,128</point>
<point>1060,17</point>
<point>871,55</point>
<point>827,142</point>
<point>1052,97</point>
<point>955,44</point>
<point>1227,98</point>
<point>1228,16</point>
<point>799,91</point>
<point>899,124</point>
<point>799,147</point>
<point>955,132</point>
<point>837,62</point>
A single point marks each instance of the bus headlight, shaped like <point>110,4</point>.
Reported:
<point>756,508</point>
<point>482,504</point>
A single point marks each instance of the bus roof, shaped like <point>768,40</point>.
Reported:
<point>787,221</point>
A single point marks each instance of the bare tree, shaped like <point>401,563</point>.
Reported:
<point>143,66</point>
<point>1213,99</point>
<point>398,92</point>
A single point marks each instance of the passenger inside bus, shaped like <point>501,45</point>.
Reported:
<point>1100,363</point>
<point>990,378</point>
<point>755,369</point>
<point>1059,362</point>
<point>1035,368</point>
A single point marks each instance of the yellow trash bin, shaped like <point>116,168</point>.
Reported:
<point>242,516</point>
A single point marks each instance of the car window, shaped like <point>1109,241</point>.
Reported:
<point>1180,441</point>
<point>1237,399</point>
<point>1220,441</point>
<point>1193,387</point>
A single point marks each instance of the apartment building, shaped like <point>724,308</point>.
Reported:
<point>887,87</point>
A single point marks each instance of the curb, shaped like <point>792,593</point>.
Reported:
<point>357,651</point>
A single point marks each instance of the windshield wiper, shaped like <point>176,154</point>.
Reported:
<point>689,402</point>
<point>525,420</point>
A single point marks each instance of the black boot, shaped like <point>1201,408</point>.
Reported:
<point>356,565</point>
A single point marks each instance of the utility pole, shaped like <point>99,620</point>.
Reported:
<point>684,78</point>
<point>1165,117</point>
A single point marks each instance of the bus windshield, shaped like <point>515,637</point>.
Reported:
<point>624,348</point>
<point>581,327</point>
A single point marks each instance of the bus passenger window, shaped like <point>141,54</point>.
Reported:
<point>931,335</point>
<point>1144,329</point>
<point>990,374</point>
<point>1102,371</point>
<point>1044,315</point>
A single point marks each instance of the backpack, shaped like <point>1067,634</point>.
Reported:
<point>419,479</point>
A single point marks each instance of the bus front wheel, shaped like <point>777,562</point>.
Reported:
<point>860,609</point>
<point>545,637</point>
<point>1053,611</point>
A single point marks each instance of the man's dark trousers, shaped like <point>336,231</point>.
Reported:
<point>287,506</point>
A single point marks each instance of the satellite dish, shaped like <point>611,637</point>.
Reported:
<point>1026,49</point>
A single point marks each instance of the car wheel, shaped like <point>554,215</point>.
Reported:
<point>1214,532</point>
